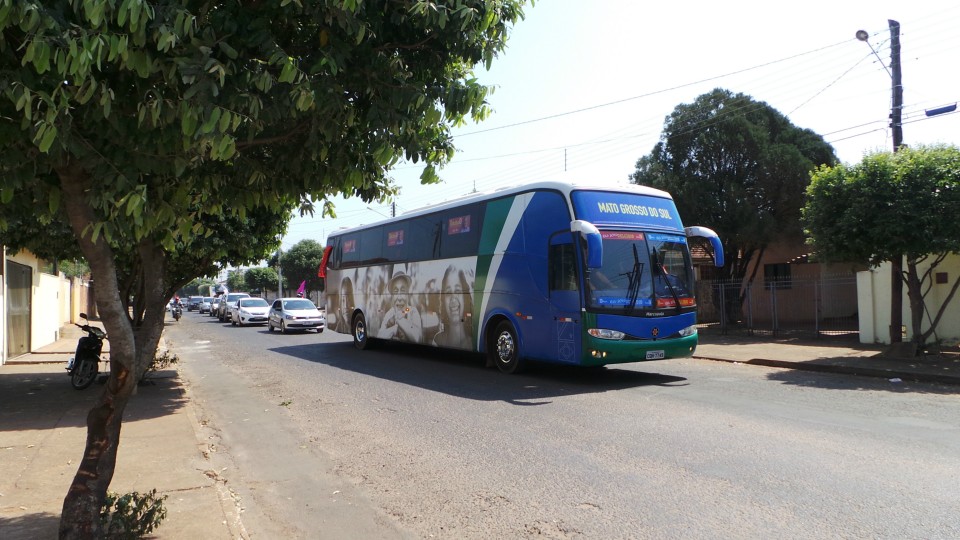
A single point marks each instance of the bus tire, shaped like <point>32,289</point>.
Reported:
<point>504,349</point>
<point>359,330</point>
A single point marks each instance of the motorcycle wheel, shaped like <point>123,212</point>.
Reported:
<point>84,374</point>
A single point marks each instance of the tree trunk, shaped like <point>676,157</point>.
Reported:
<point>131,351</point>
<point>915,294</point>
<point>80,517</point>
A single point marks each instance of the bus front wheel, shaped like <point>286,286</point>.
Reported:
<point>504,348</point>
<point>360,339</point>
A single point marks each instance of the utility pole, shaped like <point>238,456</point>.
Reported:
<point>896,109</point>
<point>279,275</point>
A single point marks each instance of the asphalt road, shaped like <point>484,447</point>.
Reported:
<point>430,444</point>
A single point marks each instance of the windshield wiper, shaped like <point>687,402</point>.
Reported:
<point>635,278</point>
<point>659,272</point>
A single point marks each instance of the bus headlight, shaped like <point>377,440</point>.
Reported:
<point>603,333</point>
<point>688,331</point>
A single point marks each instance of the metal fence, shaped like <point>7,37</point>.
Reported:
<point>814,306</point>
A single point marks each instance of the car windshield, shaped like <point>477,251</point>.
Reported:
<point>298,304</point>
<point>253,302</point>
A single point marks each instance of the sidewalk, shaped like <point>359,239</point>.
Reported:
<point>43,428</point>
<point>831,355</point>
<point>42,434</point>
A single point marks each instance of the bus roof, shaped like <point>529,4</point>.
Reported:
<point>564,187</point>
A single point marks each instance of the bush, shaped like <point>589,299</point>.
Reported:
<point>162,360</point>
<point>133,515</point>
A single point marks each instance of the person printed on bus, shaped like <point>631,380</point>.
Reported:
<point>402,321</point>
<point>370,290</point>
<point>346,306</point>
<point>456,328</point>
<point>429,305</point>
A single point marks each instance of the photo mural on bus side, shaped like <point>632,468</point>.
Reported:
<point>429,303</point>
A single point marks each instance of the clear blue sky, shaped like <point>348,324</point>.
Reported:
<point>583,87</point>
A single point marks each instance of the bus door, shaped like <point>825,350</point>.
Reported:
<point>564,289</point>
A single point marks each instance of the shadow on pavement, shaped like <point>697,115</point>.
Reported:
<point>42,525</point>
<point>464,375</point>
<point>810,374</point>
<point>38,399</point>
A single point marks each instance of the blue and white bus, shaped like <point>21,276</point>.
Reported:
<point>551,272</point>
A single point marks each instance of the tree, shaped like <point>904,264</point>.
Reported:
<point>142,128</point>
<point>198,287</point>
<point>739,167</point>
<point>236,280</point>
<point>300,264</point>
<point>891,206</point>
<point>74,268</point>
<point>261,278</point>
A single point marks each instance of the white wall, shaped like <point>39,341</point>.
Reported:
<point>873,296</point>
<point>3,305</point>
<point>47,310</point>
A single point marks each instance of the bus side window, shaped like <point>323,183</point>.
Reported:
<point>350,250</point>
<point>563,268</point>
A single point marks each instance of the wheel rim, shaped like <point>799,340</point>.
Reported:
<point>506,348</point>
<point>360,331</point>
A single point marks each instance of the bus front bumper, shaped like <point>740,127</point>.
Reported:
<point>598,352</point>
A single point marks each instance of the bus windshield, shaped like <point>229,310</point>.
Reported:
<point>642,271</point>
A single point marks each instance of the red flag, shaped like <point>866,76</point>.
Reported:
<point>303,287</point>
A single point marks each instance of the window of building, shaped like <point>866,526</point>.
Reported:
<point>777,276</point>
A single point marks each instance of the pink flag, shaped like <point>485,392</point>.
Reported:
<point>303,287</point>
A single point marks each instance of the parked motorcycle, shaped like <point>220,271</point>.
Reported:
<point>84,366</point>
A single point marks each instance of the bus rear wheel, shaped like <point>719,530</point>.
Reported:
<point>360,339</point>
<point>504,349</point>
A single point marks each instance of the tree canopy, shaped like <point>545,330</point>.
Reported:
<point>142,128</point>
<point>890,207</point>
<point>738,166</point>
<point>300,264</point>
<point>260,279</point>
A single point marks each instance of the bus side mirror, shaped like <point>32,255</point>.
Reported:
<point>594,241</point>
<point>704,232</point>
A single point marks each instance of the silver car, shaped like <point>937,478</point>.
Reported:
<point>296,314</point>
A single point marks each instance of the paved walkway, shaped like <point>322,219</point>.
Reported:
<point>42,431</point>
<point>830,355</point>
<point>42,434</point>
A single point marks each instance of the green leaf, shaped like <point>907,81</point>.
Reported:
<point>49,135</point>
<point>224,121</point>
<point>211,121</point>
<point>54,203</point>
<point>188,124</point>
<point>288,72</point>
<point>228,50</point>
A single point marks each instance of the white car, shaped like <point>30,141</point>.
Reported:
<point>296,314</point>
<point>249,311</point>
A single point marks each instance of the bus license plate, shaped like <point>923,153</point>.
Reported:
<point>655,355</point>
